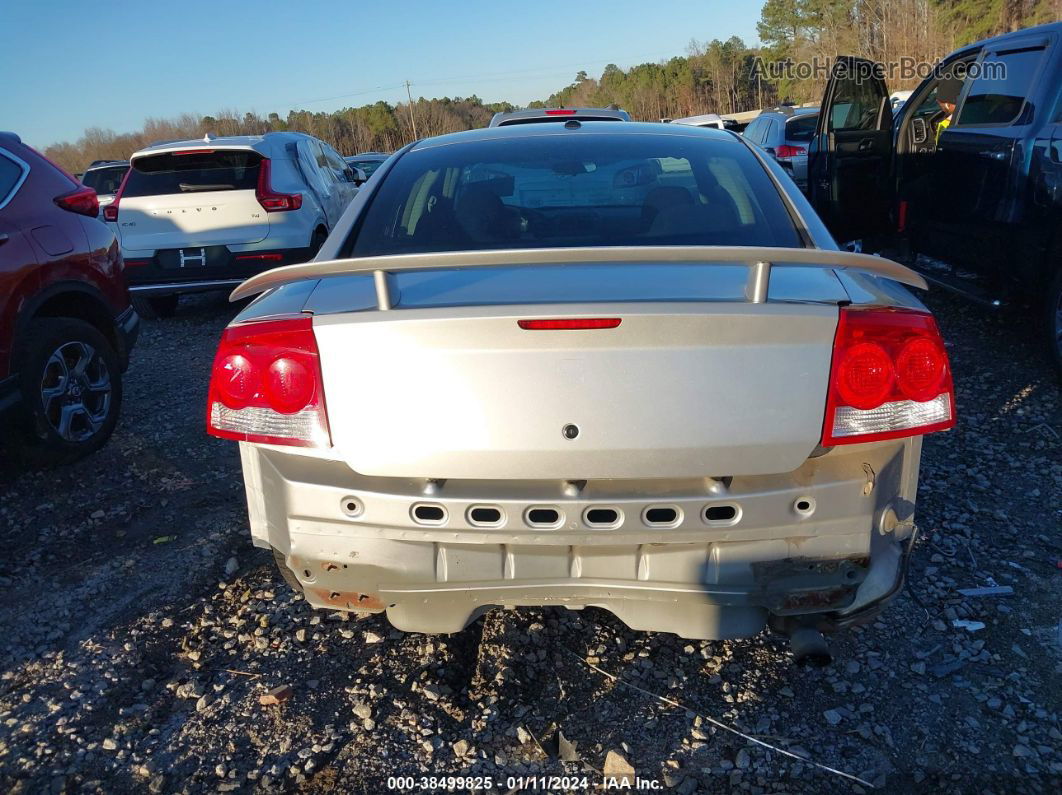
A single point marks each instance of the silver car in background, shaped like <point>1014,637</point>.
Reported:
<point>590,364</point>
<point>785,134</point>
<point>105,177</point>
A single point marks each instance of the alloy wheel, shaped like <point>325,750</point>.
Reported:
<point>76,391</point>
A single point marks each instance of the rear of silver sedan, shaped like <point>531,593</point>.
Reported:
<point>696,442</point>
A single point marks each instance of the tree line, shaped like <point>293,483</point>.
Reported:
<point>716,76</point>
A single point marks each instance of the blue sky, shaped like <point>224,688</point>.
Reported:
<point>69,64</point>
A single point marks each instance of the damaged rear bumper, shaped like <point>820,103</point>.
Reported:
<point>354,543</point>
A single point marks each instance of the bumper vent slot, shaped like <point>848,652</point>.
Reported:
<point>428,513</point>
<point>602,517</point>
<point>724,515</point>
<point>485,516</point>
<point>543,516</point>
<point>661,516</point>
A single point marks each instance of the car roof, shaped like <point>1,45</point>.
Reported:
<point>1050,27</point>
<point>788,111</point>
<point>701,119</point>
<point>259,143</point>
<point>106,164</point>
<point>368,156</point>
<point>585,127</point>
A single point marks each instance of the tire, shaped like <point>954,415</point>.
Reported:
<point>320,235</point>
<point>1053,318</point>
<point>71,384</point>
<point>286,572</point>
<point>156,307</point>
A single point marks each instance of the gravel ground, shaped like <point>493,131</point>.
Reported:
<point>140,630</point>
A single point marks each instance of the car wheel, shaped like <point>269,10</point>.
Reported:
<point>286,572</point>
<point>71,385</point>
<point>1054,322</point>
<point>156,306</point>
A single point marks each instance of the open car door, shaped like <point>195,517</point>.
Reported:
<point>850,158</point>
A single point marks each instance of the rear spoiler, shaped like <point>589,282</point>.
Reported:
<point>758,259</point>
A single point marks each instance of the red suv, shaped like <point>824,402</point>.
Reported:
<point>66,324</point>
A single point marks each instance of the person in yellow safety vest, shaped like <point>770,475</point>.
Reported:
<point>948,90</point>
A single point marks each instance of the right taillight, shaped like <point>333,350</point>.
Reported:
<point>266,385</point>
<point>271,201</point>
<point>110,212</point>
<point>787,151</point>
<point>889,378</point>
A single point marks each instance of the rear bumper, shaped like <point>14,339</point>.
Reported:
<point>153,273</point>
<point>354,544</point>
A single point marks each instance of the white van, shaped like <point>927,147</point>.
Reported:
<point>206,214</point>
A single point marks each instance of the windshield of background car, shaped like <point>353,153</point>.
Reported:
<point>368,166</point>
<point>801,128</point>
<point>197,170</point>
<point>558,190</point>
<point>104,180</point>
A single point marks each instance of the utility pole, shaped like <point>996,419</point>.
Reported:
<point>412,119</point>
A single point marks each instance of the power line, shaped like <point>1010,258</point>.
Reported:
<point>482,77</point>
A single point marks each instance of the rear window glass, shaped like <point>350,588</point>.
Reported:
<point>998,94</point>
<point>802,128</point>
<point>193,172</point>
<point>582,190</point>
<point>104,180</point>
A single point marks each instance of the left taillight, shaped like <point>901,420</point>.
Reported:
<point>82,201</point>
<point>266,386</point>
<point>890,377</point>
<point>787,151</point>
<point>110,212</point>
<point>272,201</point>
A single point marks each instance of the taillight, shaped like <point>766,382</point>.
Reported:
<point>271,201</point>
<point>266,385</point>
<point>785,150</point>
<point>82,201</point>
<point>110,212</point>
<point>889,378</point>
<point>560,112</point>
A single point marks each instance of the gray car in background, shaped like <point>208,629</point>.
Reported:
<point>785,134</point>
<point>591,364</point>
<point>105,177</point>
<point>536,115</point>
<point>368,162</point>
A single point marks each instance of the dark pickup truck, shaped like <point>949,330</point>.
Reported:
<point>982,201</point>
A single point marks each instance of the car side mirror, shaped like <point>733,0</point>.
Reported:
<point>358,176</point>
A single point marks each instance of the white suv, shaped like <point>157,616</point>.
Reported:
<point>206,214</point>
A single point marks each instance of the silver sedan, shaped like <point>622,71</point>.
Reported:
<point>586,364</point>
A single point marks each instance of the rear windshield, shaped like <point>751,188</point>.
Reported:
<point>574,190</point>
<point>194,171</point>
<point>801,128</point>
<point>104,180</point>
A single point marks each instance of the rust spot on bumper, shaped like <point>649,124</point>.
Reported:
<point>348,600</point>
<point>810,600</point>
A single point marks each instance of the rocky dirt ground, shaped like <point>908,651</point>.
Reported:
<point>139,630</point>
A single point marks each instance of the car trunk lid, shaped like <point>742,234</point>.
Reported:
<point>450,386</point>
<point>192,198</point>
